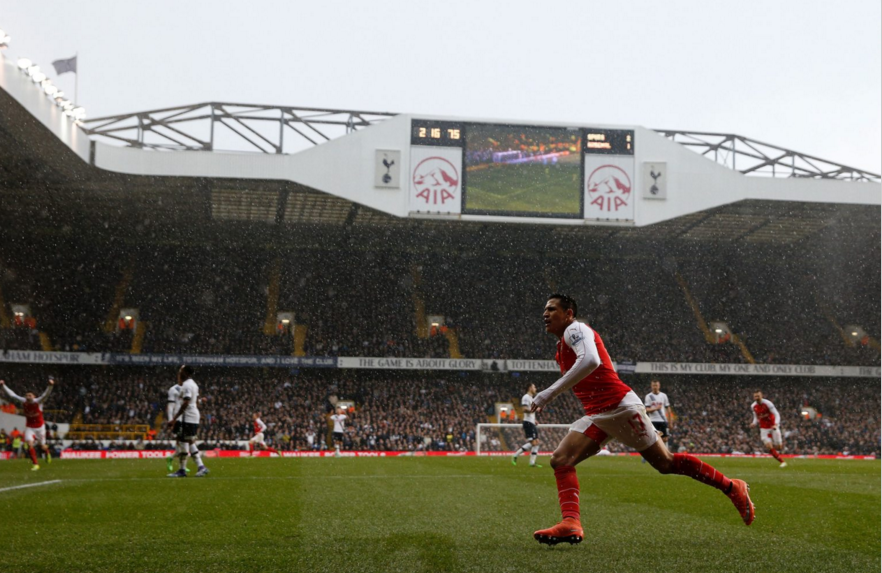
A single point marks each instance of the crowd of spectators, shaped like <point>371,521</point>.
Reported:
<point>404,411</point>
<point>360,301</point>
<point>68,287</point>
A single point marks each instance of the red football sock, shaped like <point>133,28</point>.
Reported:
<point>776,455</point>
<point>567,491</point>
<point>275,451</point>
<point>688,465</point>
<point>33,452</point>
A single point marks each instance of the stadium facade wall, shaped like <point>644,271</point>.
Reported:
<point>345,167</point>
<point>455,364</point>
<point>32,98</point>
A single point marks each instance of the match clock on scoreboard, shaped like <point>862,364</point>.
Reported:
<point>440,133</point>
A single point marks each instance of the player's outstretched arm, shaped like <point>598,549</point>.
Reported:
<point>48,391</point>
<point>12,395</point>
<point>576,337</point>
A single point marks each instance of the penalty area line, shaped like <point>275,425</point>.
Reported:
<point>50,482</point>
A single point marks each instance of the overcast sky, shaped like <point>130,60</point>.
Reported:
<point>802,74</point>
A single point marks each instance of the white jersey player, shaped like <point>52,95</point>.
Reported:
<point>185,422</point>
<point>171,408</point>
<point>657,406</point>
<point>531,432</point>
<point>339,418</point>
<point>174,401</point>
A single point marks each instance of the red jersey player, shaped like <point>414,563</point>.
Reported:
<point>765,413</point>
<point>612,411</point>
<point>257,438</point>
<point>35,426</point>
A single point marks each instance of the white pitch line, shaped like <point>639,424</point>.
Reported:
<point>2,489</point>
<point>250,478</point>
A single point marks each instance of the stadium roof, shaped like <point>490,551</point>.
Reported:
<point>45,171</point>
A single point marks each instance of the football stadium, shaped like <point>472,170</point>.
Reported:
<point>244,337</point>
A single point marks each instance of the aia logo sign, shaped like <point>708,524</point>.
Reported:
<point>436,181</point>
<point>609,188</point>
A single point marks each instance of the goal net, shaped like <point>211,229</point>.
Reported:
<point>509,437</point>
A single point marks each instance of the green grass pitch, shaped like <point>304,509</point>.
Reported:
<point>431,514</point>
<point>525,187</point>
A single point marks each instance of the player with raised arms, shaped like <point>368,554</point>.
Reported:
<point>766,415</point>
<point>258,438</point>
<point>531,432</point>
<point>35,426</point>
<point>612,411</point>
<point>186,429</point>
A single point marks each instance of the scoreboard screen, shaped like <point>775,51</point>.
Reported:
<point>495,169</point>
<point>522,170</point>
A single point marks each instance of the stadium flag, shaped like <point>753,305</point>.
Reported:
<point>64,66</point>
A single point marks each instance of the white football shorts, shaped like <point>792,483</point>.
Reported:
<point>628,423</point>
<point>770,435</point>
<point>37,435</point>
<point>258,439</point>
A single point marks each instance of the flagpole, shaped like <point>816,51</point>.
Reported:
<point>76,79</point>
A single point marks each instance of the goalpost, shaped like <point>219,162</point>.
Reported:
<point>512,435</point>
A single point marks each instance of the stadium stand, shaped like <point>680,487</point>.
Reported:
<point>214,300</point>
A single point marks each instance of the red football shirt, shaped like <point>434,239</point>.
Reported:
<point>33,412</point>
<point>602,390</point>
<point>765,414</point>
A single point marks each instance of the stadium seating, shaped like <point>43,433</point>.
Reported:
<point>373,300</point>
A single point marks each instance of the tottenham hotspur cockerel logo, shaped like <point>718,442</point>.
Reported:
<point>436,181</point>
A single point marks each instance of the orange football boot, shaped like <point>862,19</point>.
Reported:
<point>740,496</point>
<point>567,531</point>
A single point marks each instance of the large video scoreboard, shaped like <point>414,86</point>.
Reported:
<point>522,170</point>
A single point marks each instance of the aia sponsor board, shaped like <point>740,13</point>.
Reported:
<point>435,180</point>
<point>609,187</point>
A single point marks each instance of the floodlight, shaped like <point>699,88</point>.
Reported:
<point>33,70</point>
<point>854,333</point>
<point>38,77</point>
<point>79,112</point>
<point>59,95</point>
<point>24,63</point>
<point>719,331</point>
<point>50,90</point>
